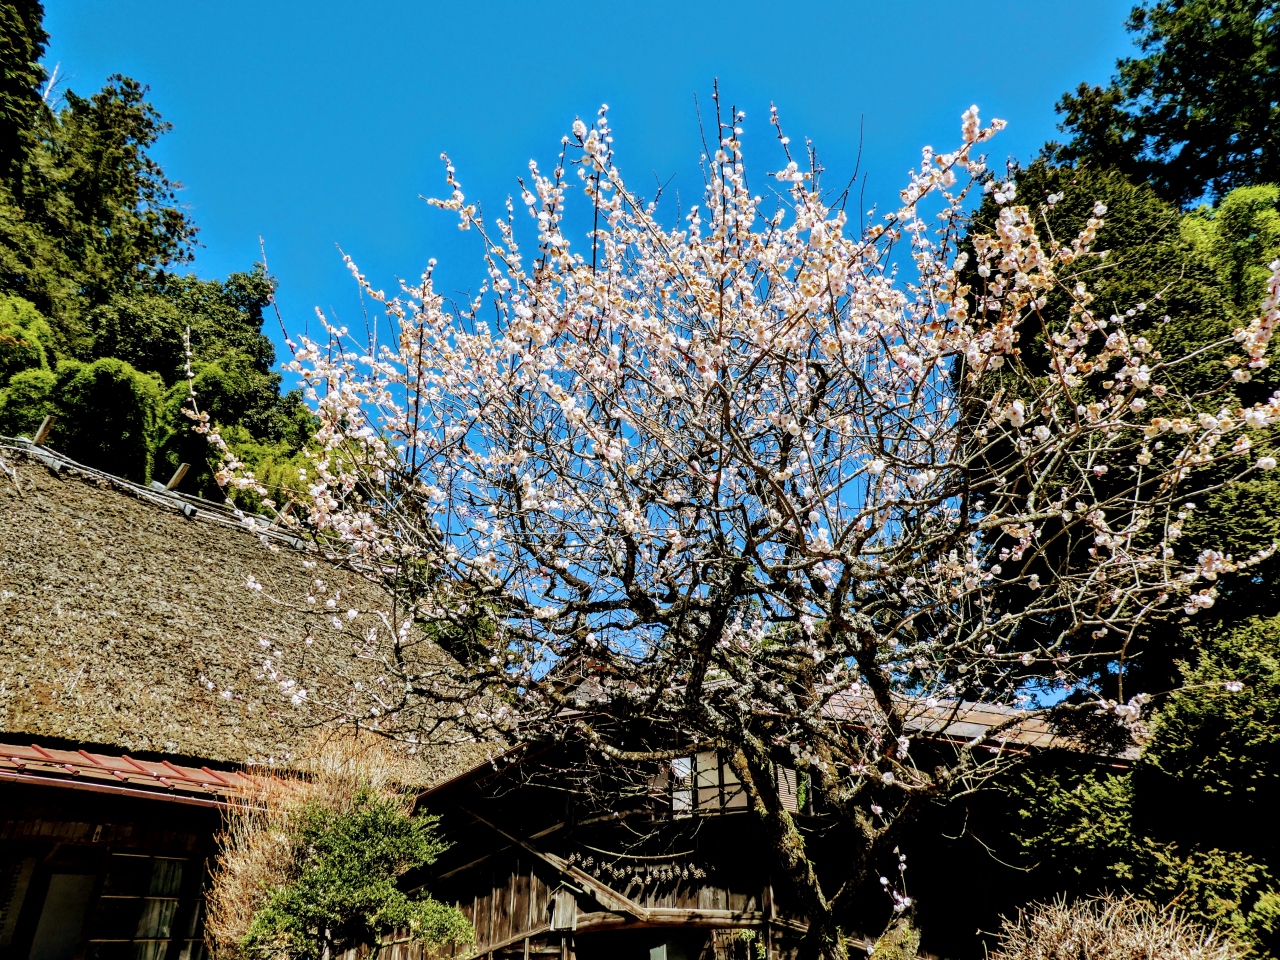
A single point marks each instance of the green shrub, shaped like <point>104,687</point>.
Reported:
<point>344,893</point>
<point>107,416</point>
<point>272,446</point>
<point>1192,821</point>
<point>144,330</point>
<point>1227,743</point>
<point>25,338</point>
<point>26,401</point>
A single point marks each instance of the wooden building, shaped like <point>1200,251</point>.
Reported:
<point>103,855</point>
<point>545,866</point>
<point>559,853</point>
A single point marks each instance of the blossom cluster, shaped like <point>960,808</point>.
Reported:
<point>763,465</point>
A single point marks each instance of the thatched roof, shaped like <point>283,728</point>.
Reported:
<point>117,612</point>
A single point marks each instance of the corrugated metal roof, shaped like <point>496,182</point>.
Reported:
<point>119,773</point>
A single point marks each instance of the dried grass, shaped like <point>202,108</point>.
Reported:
<point>1109,928</point>
<point>256,845</point>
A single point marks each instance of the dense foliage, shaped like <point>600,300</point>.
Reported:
<point>92,239</point>
<point>1182,282</point>
<point>343,892</point>
<point>324,857</point>
<point>1190,824</point>
<point>1197,112</point>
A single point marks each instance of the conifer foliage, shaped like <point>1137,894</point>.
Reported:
<point>1191,118</point>
<point>1196,113</point>
<point>92,244</point>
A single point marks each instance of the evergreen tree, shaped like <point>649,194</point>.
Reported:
<point>1198,112</point>
<point>1192,823</point>
<point>344,892</point>
<point>1180,281</point>
<point>91,237</point>
<point>26,400</point>
<point>22,41</point>
<point>91,215</point>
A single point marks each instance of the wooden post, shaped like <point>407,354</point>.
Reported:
<point>769,913</point>
<point>281,514</point>
<point>45,426</point>
<point>177,476</point>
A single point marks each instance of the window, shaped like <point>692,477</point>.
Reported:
<point>702,784</point>
<point>142,910</point>
<point>62,917</point>
<point>15,878</point>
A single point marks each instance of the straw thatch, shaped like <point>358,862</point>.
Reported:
<point>1109,928</point>
<point>117,612</point>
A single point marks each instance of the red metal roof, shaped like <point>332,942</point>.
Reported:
<point>112,773</point>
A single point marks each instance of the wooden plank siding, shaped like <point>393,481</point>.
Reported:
<point>509,900</point>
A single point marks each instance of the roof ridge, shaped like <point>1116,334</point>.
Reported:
<point>194,508</point>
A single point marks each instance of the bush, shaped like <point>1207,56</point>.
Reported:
<point>107,416</point>
<point>344,893</point>
<point>309,867</point>
<point>26,401</point>
<point>25,338</point>
<point>1225,743</point>
<point>144,330</point>
<point>277,466</point>
<point>1108,928</point>
<point>274,451</point>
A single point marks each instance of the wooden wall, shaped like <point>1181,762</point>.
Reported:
<point>523,908</point>
<point>509,901</point>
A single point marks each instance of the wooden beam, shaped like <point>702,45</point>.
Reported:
<point>43,432</point>
<point>177,476</point>
<point>668,917</point>
<point>608,897</point>
<point>504,944</point>
<point>493,853</point>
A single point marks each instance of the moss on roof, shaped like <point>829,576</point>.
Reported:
<point>117,611</point>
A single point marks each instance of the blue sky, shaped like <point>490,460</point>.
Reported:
<point>319,124</point>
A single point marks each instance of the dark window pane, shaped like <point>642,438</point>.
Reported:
<point>154,950</point>
<point>156,919</point>
<point>58,931</point>
<point>115,919</point>
<point>109,951</point>
<point>128,876</point>
<point>15,878</point>
<point>194,924</point>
